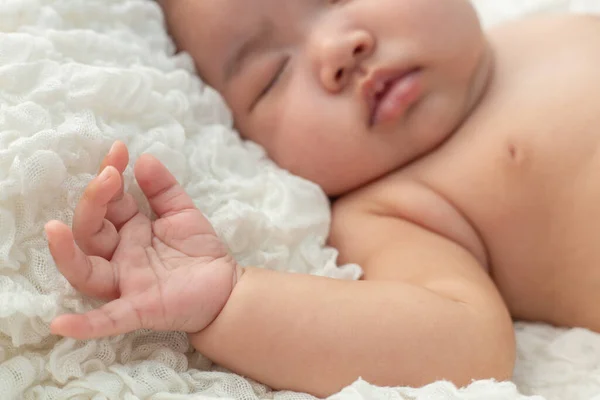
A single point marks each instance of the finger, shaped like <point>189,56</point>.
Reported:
<point>122,207</point>
<point>115,318</point>
<point>164,193</point>
<point>94,234</point>
<point>121,210</point>
<point>92,276</point>
<point>179,222</point>
<point>118,157</point>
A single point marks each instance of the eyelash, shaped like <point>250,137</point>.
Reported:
<point>281,69</point>
<point>275,79</point>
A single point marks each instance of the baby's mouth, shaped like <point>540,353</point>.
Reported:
<point>390,93</point>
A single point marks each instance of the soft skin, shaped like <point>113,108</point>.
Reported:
<point>472,201</point>
<point>313,121</point>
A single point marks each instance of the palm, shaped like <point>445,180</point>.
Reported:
<point>169,274</point>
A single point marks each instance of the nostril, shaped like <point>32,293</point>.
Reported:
<point>359,50</point>
<point>339,74</point>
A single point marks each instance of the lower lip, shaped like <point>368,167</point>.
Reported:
<point>399,97</point>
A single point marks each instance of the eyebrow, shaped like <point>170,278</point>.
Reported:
<point>249,46</point>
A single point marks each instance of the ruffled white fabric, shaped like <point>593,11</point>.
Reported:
<point>77,74</point>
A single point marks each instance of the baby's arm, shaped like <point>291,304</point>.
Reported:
<point>439,318</point>
<point>426,310</point>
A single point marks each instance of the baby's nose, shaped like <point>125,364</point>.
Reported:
<point>341,56</point>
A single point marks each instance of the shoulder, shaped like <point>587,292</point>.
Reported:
<point>538,27</point>
<point>393,246</point>
<point>558,50</point>
<point>367,215</point>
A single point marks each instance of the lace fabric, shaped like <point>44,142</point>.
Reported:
<point>74,76</point>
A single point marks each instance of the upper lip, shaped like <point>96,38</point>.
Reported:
<point>377,84</point>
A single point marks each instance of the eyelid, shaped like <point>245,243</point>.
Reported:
<point>273,81</point>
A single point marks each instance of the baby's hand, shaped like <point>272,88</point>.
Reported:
<point>169,274</point>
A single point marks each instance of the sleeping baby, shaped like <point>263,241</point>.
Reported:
<point>465,169</point>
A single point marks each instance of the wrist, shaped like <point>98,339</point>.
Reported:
<point>195,338</point>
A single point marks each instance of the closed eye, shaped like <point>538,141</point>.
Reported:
<point>275,78</point>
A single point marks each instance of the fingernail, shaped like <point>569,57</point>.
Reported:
<point>104,175</point>
<point>112,148</point>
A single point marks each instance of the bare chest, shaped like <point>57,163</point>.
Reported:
<point>525,170</point>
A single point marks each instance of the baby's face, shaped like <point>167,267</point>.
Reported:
<point>338,92</point>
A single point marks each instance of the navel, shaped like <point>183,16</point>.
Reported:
<point>517,154</point>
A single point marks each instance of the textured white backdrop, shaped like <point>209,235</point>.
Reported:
<point>77,74</point>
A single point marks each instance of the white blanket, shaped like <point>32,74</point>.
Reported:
<point>76,75</point>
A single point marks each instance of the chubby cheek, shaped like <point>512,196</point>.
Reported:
<point>303,136</point>
<point>310,148</point>
<point>328,153</point>
<point>440,27</point>
<point>321,138</point>
<point>451,30</point>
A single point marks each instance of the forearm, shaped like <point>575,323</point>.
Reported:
<point>317,335</point>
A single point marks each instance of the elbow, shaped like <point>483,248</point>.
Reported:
<point>497,363</point>
<point>492,352</point>
<point>479,345</point>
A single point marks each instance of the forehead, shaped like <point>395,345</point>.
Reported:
<point>210,29</point>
